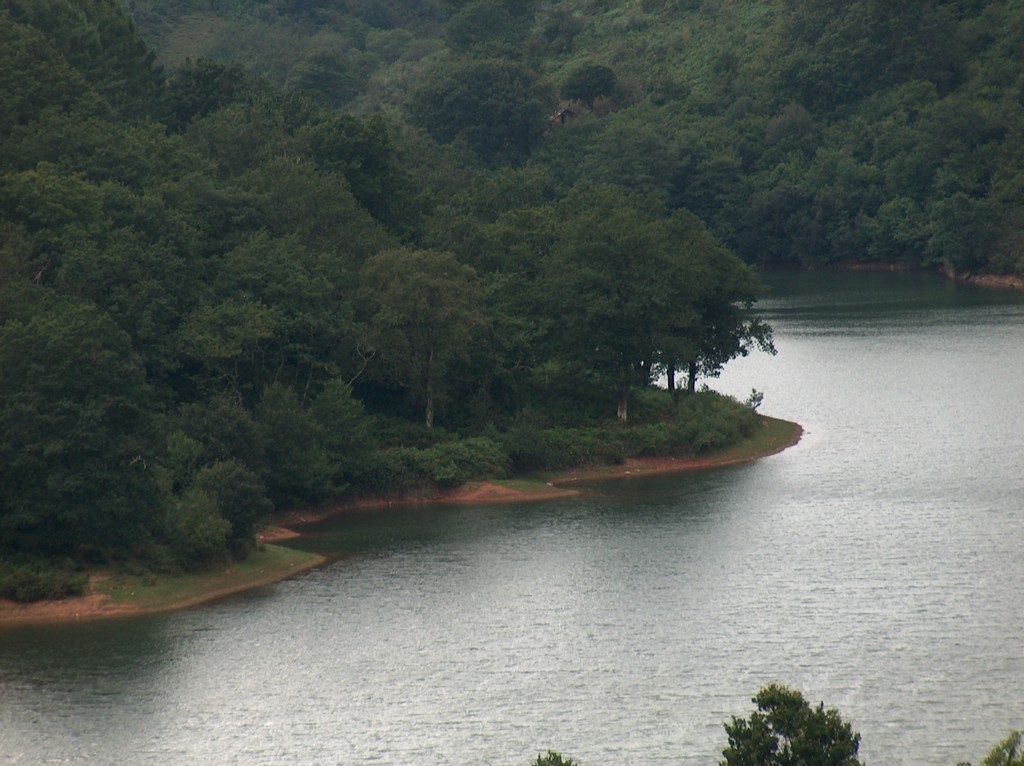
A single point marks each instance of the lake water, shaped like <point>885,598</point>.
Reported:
<point>877,566</point>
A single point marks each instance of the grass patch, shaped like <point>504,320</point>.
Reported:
<point>773,435</point>
<point>526,484</point>
<point>151,593</point>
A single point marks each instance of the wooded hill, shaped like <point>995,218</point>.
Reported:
<point>800,131</point>
<point>219,296</point>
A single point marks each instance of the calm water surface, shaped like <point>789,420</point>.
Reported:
<point>877,566</point>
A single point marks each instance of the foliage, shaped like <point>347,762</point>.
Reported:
<point>786,730</point>
<point>35,580</point>
<point>73,414</point>
<point>1009,752</point>
<point>553,759</point>
<point>221,296</point>
<point>694,425</point>
<point>445,465</point>
<point>588,82</point>
<point>241,499</point>
<point>497,106</point>
<point>421,307</point>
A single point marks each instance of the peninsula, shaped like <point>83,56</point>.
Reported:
<point>118,595</point>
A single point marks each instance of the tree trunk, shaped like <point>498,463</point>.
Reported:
<point>671,374</point>
<point>691,384</point>
<point>428,392</point>
<point>623,405</point>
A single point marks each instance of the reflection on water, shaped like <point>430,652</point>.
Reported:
<point>876,566</point>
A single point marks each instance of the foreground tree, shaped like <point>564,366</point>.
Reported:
<point>1009,752</point>
<point>786,731</point>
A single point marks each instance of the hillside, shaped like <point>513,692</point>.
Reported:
<point>800,132</point>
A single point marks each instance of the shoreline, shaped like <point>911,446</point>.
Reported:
<point>987,281</point>
<point>106,601</point>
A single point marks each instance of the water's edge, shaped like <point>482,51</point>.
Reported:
<point>98,606</point>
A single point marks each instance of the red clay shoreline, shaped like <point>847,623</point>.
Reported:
<point>544,488</point>
<point>99,606</point>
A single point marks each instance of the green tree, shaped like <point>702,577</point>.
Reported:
<point>100,40</point>
<point>33,75</point>
<point>298,467</point>
<point>498,106</point>
<point>606,286</point>
<point>786,731</point>
<point>1009,752</point>
<point>484,22</point>
<point>225,344</point>
<point>195,531</point>
<point>628,293</point>
<point>215,430</point>
<point>588,82</point>
<point>241,499</point>
<point>76,448</point>
<point>198,88</point>
<point>422,309</point>
<point>345,431</point>
<point>725,326</point>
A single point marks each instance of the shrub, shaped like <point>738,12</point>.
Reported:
<point>197,532</point>
<point>446,464</point>
<point>39,580</point>
<point>527,446</point>
<point>456,462</point>
<point>710,421</point>
<point>650,405</point>
<point>553,759</point>
<point>586,446</point>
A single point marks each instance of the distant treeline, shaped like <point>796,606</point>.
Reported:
<point>801,131</point>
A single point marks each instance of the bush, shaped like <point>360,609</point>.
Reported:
<point>553,759</point>
<point>456,462</point>
<point>527,446</point>
<point>698,424</point>
<point>240,497</point>
<point>586,446</point>
<point>708,421</point>
<point>446,464</point>
<point>652,440</point>
<point>39,580</point>
<point>650,405</point>
<point>197,532</point>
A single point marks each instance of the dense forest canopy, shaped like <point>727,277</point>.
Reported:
<point>221,294</point>
<point>801,132</point>
<point>258,253</point>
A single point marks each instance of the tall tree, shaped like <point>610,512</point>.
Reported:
<point>422,308</point>
<point>630,293</point>
<point>75,439</point>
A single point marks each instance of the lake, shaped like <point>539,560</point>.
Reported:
<point>877,566</point>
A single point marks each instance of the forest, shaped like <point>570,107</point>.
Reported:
<point>265,253</point>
